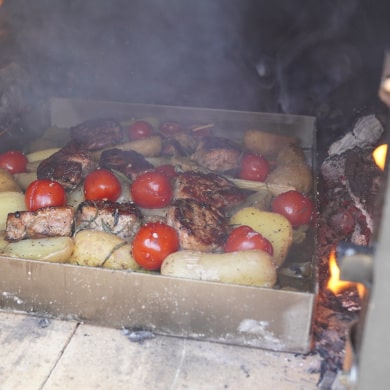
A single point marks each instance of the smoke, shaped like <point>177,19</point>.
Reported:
<point>151,51</point>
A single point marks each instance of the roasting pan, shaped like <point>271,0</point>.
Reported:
<point>278,319</point>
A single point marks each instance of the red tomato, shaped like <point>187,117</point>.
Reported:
<point>153,243</point>
<point>151,190</point>
<point>245,238</point>
<point>168,170</point>
<point>13,161</point>
<point>169,128</point>
<point>295,206</point>
<point>140,130</point>
<point>44,193</point>
<point>254,167</point>
<point>102,184</point>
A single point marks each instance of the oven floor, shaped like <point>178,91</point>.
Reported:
<point>39,354</point>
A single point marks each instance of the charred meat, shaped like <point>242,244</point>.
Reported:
<point>97,134</point>
<point>128,162</point>
<point>217,154</point>
<point>208,188</point>
<point>44,222</point>
<point>122,219</point>
<point>69,166</point>
<point>199,225</point>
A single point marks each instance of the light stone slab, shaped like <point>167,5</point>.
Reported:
<point>30,347</point>
<point>102,358</point>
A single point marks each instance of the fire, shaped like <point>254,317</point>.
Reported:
<point>379,155</point>
<point>335,284</point>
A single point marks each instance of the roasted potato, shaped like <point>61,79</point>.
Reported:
<point>40,155</point>
<point>8,182</point>
<point>274,227</point>
<point>9,203</point>
<point>53,249</point>
<point>267,144</point>
<point>291,154</point>
<point>25,178</point>
<point>297,175</point>
<point>250,268</point>
<point>100,249</point>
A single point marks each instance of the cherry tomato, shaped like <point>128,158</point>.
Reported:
<point>102,184</point>
<point>295,206</point>
<point>254,167</point>
<point>44,193</point>
<point>153,243</point>
<point>13,161</point>
<point>140,130</point>
<point>169,128</point>
<point>167,169</point>
<point>245,238</point>
<point>151,190</point>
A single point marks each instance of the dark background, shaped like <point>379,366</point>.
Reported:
<point>281,55</point>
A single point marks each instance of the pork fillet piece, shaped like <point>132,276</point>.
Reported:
<point>97,134</point>
<point>199,225</point>
<point>128,162</point>
<point>44,222</point>
<point>208,188</point>
<point>69,166</point>
<point>217,154</point>
<point>121,219</point>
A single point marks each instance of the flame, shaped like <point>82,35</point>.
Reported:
<point>335,284</point>
<point>379,155</point>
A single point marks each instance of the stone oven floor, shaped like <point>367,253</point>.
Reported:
<point>36,353</point>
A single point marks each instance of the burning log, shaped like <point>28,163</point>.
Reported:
<point>349,183</point>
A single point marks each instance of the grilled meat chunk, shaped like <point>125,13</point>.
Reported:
<point>207,188</point>
<point>69,166</point>
<point>122,219</point>
<point>44,222</point>
<point>217,154</point>
<point>199,225</point>
<point>96,134</point>
<point>129,162</point>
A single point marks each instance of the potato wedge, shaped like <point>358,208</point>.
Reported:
<point>9,203</point>
<point>53,249</point>
<point>100,249</point>
<point>274,227</point>
<point>40,155</point>
<point>25,178</point>
<point>250,268</point>
<point>3,242</point>
<point>8,182</point>
<point>267,144</point>
<point>291,154</point>
<point>297,175</point>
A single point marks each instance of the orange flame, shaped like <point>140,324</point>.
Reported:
<point>335,284</point>
<point>379,155</point>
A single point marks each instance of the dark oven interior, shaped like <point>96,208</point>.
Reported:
<point>323,59</point>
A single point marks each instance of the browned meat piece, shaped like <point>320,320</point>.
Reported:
<point>199,225</point>
<point>44,222</point>
<point>208,188</point>
<point>97,133</point>
<point>217,154</point>
<point>129,162</point>
<point>68,166</point>
<point>122,219</point>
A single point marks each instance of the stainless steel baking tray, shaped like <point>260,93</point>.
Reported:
<point>277,319</point>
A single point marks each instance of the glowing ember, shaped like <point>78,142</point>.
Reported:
<point>379,155</point>
<point>335,284</point>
